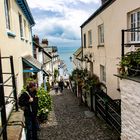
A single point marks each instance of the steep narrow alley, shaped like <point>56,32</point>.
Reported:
<point>68,121</point>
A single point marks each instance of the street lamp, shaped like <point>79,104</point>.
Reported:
<point>70,59</point>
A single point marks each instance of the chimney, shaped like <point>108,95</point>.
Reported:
<point>103,1</point>
<point>45,41</point>
<point>36,39</point>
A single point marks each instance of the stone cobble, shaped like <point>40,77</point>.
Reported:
<point>68,121</point>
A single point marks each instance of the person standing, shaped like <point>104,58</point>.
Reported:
<point>56,87</point>
<point>61,85</point>
<point>29,101</point>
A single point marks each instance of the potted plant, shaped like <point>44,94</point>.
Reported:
<point>44,104</point>
<point>130,63</point>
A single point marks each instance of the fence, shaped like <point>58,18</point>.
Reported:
<point>108,109</point>
<point>5,99</point>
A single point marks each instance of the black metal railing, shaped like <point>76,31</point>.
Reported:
<point>108,109</point>
<point>12,97</point>
<point>128,41</point>
<point>98,101</point>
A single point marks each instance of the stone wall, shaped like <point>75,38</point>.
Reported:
<point>15,126</point>
<point>130,109</point>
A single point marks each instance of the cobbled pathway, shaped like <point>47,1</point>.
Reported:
<point>68,121</point>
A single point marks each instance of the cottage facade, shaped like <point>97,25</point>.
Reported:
<point>15,33</point>
<point>102,39</point>
<point>16,41</point>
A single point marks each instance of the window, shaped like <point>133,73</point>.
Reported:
<point>101,34</point>
<point>102,73</point>
<point>20,25</point>
<point>90,38</point>
<point>7,13</point>
<point>84,40</point>
<point>25,28</point>
<point>135,23</point>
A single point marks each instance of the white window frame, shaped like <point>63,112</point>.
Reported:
<point>20,25</point>
<point>7,13</point>
<point>101,34</point>
<point>134,23</point>
<point>90,38</point>
<point>25,28</point>
<point>102,73</point>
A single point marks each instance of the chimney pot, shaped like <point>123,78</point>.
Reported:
<point>45,41</point>
<point>103,1</point>
<point>36,39</point>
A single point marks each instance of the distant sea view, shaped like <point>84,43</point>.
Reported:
<point>65,53</point>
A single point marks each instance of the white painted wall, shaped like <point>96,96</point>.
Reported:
<point>130,109</point>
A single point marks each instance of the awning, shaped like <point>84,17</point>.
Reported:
<point>30,64</point>
<point>78,54</point>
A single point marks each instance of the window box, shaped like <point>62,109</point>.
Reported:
<point>11,34</point>
<point>26,40</point>
<point>22,38</point>
<point>100,46</point>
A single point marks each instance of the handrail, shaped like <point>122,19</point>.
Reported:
<point>114,119</point>
<point>6,81</point>
<point>3,102</point>
<point>108,110</point>
<point>8,97</point>
<point>2,129</point>
<point>114,111</point>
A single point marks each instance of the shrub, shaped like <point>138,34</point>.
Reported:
<point>44,104</point>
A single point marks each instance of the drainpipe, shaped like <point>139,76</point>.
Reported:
<point>82,46</point>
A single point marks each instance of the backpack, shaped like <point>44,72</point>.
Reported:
<point>22,99</point>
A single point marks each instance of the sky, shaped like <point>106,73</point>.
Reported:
<point>59,20</point>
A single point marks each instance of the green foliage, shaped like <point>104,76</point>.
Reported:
<point>48,86</point>
<point>55,74</point>
<point>131,60</point>
<point>44,103</point>
<point>83,79</point>
<point>91,81</point>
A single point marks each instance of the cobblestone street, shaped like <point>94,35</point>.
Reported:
<point>68,121</point>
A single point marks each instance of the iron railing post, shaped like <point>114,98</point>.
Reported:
<point>123,43</point>
<point>95,102</point>
<point>91,98</point>
<point>13,82</point>
<point>2,105</point>
<point>106,109</point>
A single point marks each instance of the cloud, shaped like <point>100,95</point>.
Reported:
<point>59,20</point>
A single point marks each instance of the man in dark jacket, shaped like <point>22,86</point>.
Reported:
<point>61,85</point>
<point>29,101</point>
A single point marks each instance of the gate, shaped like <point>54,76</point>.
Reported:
<point>108,109</point>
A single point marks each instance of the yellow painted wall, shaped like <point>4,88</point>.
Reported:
<point>14,45</point>
<point>114,19</point>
